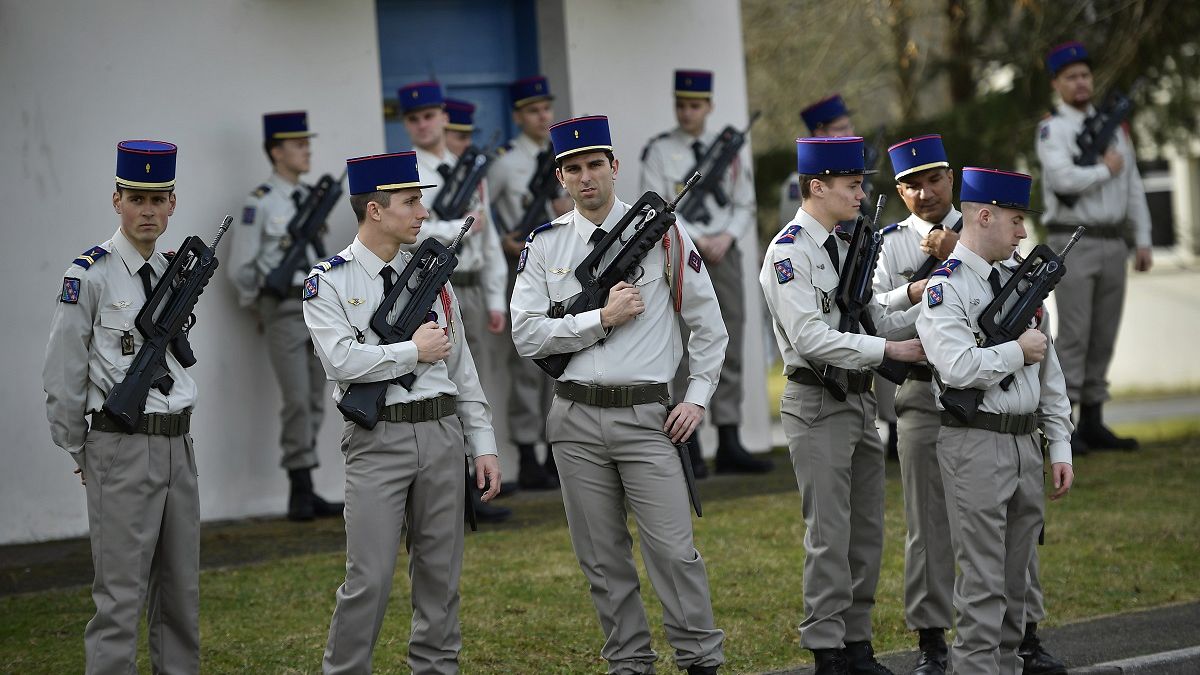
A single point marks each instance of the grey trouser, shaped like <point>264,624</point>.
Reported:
<point>144,521</point>
<point>530,392</point>
<point>301,379</point>
<point>838,459</point>
<point>608,458</point>
<point>725,407</point>
<point>394,469</point>
<point>1090,298</point>
<point>1035,604</point>
<point>993,485</point>
<point>928,552</point>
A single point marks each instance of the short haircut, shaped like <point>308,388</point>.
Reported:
<point>970,210</point>
<point>806,184</point>
<point>359,202</point>
<point>121,190</point>
<point>607,153</point>
<point>269,145</point>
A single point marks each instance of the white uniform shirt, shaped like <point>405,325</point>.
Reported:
<point>480,250</point>
<point>340,312</point>
<point>645,350</point>
<point>800,284</point>
<point>261,239</point>
<point>1104,200</point>
<point>949,326</point>
<point>508,180</point>
<point>84,360</point>
<point>902,255</point>
<point>666,161</point>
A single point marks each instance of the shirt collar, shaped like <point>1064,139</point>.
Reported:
<point>816,231</point>
<point>584,227</point>
<point>132,259</point>
<point>429,159</point>
<point>972,260</point>
<point>687,139</point>
<point>1073,113</point>
<point>372,263</point>
<point>282,184</point>
<point>529,144</point>
<point>924,226</point>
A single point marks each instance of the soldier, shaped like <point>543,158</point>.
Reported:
<point>530,390</point>
<point>407,472</point>
<point>992,467</point>
<point>612,431</point>
<point>259,244</point>
<point>825,118</point>
<point>142,497</point>
<point>1109,200</point>
<point>835,448</point>
<point>460,125</point>
<point>667,161</point>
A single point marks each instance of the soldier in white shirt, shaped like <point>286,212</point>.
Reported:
<point>142,496</point>
<point>1107,198</point>
<point>509,178</point>
<point>612,431</point>
<point>992,466</point>
<point>667,162</point>
<point>835,448</point>
<point>407,472</point>
<point>257,248</point>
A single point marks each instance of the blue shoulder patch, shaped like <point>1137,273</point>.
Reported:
<point>783,271</point>
<point>890,228</point>
<point>522,260</point>
<point>947,268</point>
<point>90,257</point>
<point>261,190</point>
<point>70,291</point>
<point>504,148</point>
<point>789,235</point>
<point>311,286</point>
<point>646,150</point>
<point>329,263</point>
<point>935,295</point>
<point>539,228</point>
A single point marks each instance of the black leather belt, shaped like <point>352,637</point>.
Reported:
<point>856,382</point>
<point>921,373</point>
<point>420,411</point>
<point>1001,423</point>
<point>151,424</point>
<point>465,278</point>
<point>1093,231</point>
<point>612,397</point>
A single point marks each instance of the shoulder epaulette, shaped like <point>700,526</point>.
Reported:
<point>504,148</point>
<point>90,256</point>
<point>261,190</point>
<point>330,263</point>
<point>646,150</point>
<point>890,228</point>
<point>789,235</point>
<point>537,229</point>
<point>947,268</point>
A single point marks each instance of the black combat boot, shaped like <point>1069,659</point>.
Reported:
<point>1037,660</point>
<point>300,500</point>
<point>893,447</point>
<point>830,662</point>
<point>1096,435</point>
<point>702,670</point>
<point>530,473</point>
<point>934,652</point>
<point>733,458</point>
<point>699,468</point>
<point>860,656</point>
<point>485,512</point>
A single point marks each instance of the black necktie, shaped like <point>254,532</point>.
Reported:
<point>994,280</point>
<point>697,150</point>
<point>145,273</point>
<point>389,278</point>
<point>296,198</point>
<point>597,235</point>
<point>831,249</point>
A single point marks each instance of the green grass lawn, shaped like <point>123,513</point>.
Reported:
<point>1126,539</point>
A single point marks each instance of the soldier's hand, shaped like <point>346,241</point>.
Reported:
<point>915,289</point>
<point>624,303</point>
<point>432,343</point>
<point>1143,260</point>
<point>480,221</point>
<point>82,478</point>
<point>1114,161</point>
<point>716,246</point>
<point>512,244</point>
<point>905,351</point>
<point>1033,345</point>
<point>487,474</point>
<point>939,243</point>
<point>495,321</point>
<point>1064,478</point>
<point>683,421</point>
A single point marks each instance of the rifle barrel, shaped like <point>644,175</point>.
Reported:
<point>686,186</point>
<point>1071,242</point>
<point>221,231</point>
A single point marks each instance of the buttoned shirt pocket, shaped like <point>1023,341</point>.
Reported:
<point>562,290</point>
<point>649,273</point>
<point>825,283</point>
<point>117,325</point>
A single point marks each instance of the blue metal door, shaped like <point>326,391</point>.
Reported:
<point>473,47</point>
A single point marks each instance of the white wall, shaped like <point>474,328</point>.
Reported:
<point>78,78</point>
<point>621,57</point>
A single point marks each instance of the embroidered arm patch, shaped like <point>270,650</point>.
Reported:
<point>70,291</point>
<point>694,261</point>
<point>248,215</point>
<point>311,286</point>
<point>522,259</point>
<point>783,271</point>
<point>935,295</point>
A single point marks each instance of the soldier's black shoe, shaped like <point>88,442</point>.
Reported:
<point>830,662</point>
<point>531,475</point>
<point>699,468</point>
<point>733,458</point>
<point>702,670</point>
<point>485,512</point>
<point>1037,660</point>
<point>934,653</point>
<point>893,447</point>
<point>1078,446</point>
<point>860,657</point>
<point>1099,437</point>
<point>300,499</point>
<point>325,509</point>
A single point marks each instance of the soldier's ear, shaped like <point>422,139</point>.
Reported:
<point>616,163</point>
<point>171,199</point>
<point>117,201</point>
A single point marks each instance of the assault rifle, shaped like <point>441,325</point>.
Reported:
<point>854,297</point>
<point>647,221</point>
<point>431,265</point>
<point>454,199</point>
<point>304,230</point>
<point>931,263</point>
<point>1032,282</point>
<point>543,188</point>
<point>712,166</point>
<point>164,322</point>
<point>1099,131</point>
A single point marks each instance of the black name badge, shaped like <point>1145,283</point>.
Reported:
<point>127,344</point>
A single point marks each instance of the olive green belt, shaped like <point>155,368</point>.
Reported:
<point>151,424</point>
<point>856,382</point>
<point>1001,423</point>
<point>612,397</point>
<point>420,411</point>
<point>463,279</point>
